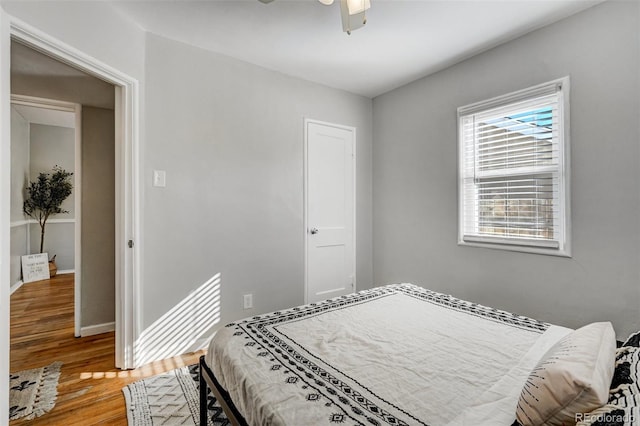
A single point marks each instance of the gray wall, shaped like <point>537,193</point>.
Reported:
<point>415,176</point>
<point>19,177</point>
<point>51,146</point>
<point>230,137</point>
<point>98,216</point>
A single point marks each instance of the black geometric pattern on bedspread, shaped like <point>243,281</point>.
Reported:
<point>350,404</point>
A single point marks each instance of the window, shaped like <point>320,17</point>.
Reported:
<point>514,171</point>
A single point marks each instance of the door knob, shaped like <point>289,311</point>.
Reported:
<point>314,231</point>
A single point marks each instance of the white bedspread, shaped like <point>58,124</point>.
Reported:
<point>398,355</point>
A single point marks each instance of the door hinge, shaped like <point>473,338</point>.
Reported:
<point>130,243</point>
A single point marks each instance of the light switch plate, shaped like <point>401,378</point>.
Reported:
<point>247,301</point>
<point>159,178</point>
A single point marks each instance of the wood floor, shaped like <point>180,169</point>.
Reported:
<point>89,392</point>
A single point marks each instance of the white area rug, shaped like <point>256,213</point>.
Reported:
<point>169,399</point>
<point>33,392</point>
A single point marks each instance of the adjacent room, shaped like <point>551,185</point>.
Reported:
<point>307,212</point>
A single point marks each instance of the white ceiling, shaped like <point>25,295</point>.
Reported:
<point>50,117</point>
<point>402,41</point>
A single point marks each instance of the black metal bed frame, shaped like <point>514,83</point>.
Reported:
<point>208,381</point>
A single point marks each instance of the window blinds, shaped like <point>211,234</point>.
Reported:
<point>512,175</point>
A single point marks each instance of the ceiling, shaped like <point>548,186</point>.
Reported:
<point>28,62</point>
<point>402,40</point>
<point>50,117</point>
<point>36,74</point>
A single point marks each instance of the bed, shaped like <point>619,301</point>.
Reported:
<point>394,355</point>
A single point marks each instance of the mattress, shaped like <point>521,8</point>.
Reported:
<point>397,355</point>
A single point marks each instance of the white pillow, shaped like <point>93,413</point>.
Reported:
<point>572,377</point>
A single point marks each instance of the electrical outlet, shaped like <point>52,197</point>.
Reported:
<point>247,300</point>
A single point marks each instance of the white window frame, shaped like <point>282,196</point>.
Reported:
<point>561,247</point>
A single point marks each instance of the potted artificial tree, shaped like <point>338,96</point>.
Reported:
<point>44,197</point>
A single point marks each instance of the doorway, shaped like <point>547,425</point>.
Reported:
<point>329,210</point>
<point>44,134</point>
<point>127,249</point>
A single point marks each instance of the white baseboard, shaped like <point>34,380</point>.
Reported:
<point>16,286</point>
<point>97,329</point>
<point>66,271</point>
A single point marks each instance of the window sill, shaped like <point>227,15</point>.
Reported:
<point>547,251</point>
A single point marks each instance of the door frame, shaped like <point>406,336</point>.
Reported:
<point>76,109</point>
<point>306,228</point>
<point>5,202</point>
<point>127,185</point>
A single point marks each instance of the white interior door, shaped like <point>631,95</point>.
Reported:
<point>330,210</point>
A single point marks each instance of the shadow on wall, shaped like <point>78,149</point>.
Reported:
<point>183,328</point>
